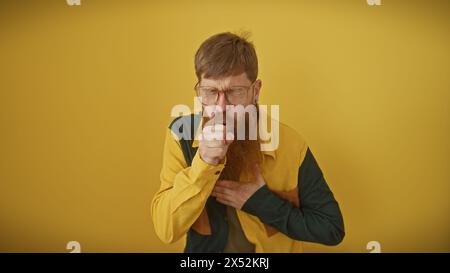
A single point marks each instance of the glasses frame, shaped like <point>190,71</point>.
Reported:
<point>247,88</point>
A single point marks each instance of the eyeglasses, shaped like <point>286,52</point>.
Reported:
<point>234,95</point>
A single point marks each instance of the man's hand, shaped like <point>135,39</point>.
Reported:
<point>214,142</point>
<point>234,193</point>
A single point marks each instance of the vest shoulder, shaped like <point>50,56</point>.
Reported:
<point>184,126</point>
<point>290,139</point>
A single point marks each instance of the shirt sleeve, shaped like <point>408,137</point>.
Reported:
<point>183,192</point>
<point>318,219</point>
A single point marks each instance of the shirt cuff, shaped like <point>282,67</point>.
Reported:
<point>202,171</point>
<point>261,202</point>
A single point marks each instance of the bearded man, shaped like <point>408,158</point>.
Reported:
<point>219,187</point>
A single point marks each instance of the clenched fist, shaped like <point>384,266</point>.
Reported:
<point>214,141</point>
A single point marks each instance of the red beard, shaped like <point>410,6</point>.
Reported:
<point>242,155</point>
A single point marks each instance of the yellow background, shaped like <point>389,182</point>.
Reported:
<point>86,93</point>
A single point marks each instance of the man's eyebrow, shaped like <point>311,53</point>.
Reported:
<point>209,87</point>
<point>228,87</point>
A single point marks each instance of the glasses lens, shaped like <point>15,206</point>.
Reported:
<point>209,96</point>
<point>236,95</point>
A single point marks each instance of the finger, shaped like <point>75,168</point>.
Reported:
<point>214,114</point>
<point>221,195</point>
<point>208,118</point>
<point>219,144</point>
<point>209,112</point>
<point>225,202</point>
<point>228,136</point>
<point>223,190</point>
<point>227,184</point>
<point>214,132</point>
<point>208,129</point>
<point>216,152</point>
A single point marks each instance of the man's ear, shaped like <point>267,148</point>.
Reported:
<point>258,85</point>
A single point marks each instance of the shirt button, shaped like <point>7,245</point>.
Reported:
<point>217,172</point>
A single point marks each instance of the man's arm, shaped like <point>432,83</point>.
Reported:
<point>319,218</point>
<point>183,192</point>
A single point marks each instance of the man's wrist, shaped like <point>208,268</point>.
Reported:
<point>212,162</point>
<point>254,202</point>
<point>201,170</point>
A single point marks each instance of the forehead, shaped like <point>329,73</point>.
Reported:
<point>234,80</point>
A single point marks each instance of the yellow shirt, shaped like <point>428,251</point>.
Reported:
<point>295,205</point>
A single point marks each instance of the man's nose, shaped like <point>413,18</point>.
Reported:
<point>222,101</point>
